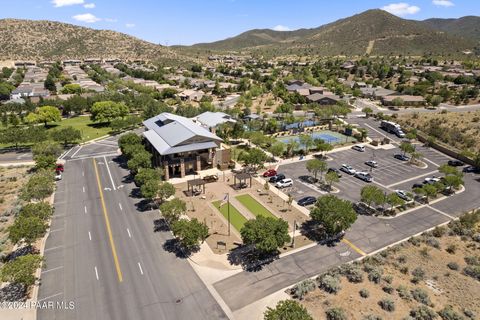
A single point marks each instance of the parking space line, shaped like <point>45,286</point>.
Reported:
<point>413,178</point>
<point>53,269</point>
<point>75,153</point>
<point>441,212</point>
<point>96,272</point>
<point>140,267</point>
<point>431,162</point>
<point>50,297</point>
<point>354,247</point>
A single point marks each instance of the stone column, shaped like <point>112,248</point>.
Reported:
<point>166,169</point>
<point>199,164</point>
<point>182,168</point>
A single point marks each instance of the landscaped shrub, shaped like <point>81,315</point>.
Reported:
<point>302,288</point>
<point>336,314</point>
<point>423,313</point>
<point>404,293</point>
<point>472,271</point>
<point>387,305</point>
<point>453,266</point>
<point>448,313</point>
<point>364,293</point>
<point>375,275</point>
<point>421,296</point>
<point>329,283</point>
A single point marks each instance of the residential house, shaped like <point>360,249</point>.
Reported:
<point>376,93</point>
<point>211,120</point>
<point>408,100</point>
<point>323,99</point>
<point>191,95</point>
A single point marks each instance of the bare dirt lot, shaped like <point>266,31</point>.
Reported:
<point>458,129</point>
<point>428,272</point>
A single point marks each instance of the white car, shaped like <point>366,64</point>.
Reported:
<point>371,163</point>
<point>402,194</point>
<point>347,169</point>
<point>284,183</point>
<point>359,147</point>
<point>431,180</point>
<point>365,176</point>
<point>58,176</point>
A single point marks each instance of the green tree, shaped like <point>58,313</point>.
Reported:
<point>306,141</point>
<point>315,166</point>
<point>165,191</point>
<point>267,234</point>
<point>333,213</point>
<point>190,233</point>
<point>407,147</point>
<point>287,310</point>
<point>255,158</point>
<point>436,100</point>
<point>106,111</point>
<point>277,149</point>
<point>49,84</point>
<point>47,147</point>
<point>368,111</point>
<point>44,115</point>
<point>140,160</point>
<point>292,145</point>
<point>331,178</point>
<point>322,146</point>
<point>145,174</point>
<point>372,195</point>
<point>449,170</point>
<point>428,190</point>
<point>76,104</point>
<point>27,228</point>
<point>71,88</point>
<point>129,139</point>
<point>149,190</point>
<point>39,186</point>
<point>41,210</point>
<point>398,102</point>
<point>394,200</point>
<point>21,270</point>
<point>172,210</point>
<point>66,135</point>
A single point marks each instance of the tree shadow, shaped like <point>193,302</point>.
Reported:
<point>13,292</point>
<point>249,259</point>
<point>160,225</point>
<point>145,205</point>
<point>314,232</point>
<point>175,246</point>
<point>20,252</point>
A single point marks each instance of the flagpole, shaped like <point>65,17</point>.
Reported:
<point>228,212</point>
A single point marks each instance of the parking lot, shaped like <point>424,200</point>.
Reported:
<point>390,174</point>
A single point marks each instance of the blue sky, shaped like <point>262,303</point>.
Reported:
<point>192,21</point>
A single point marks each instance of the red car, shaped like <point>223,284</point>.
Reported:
<point>59,167</point>
<point>270,173</point>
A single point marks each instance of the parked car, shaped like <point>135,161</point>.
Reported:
<point>401,157</point>
<point>431,180</point>
<point>365,176</point>
<point>417,185</point>
<point>363,208</point>
<point>471,169</point>
<point>278,177</point>
<point>371,163</point>
<point>59,167</point>
<point>359,147</point>
<point>402,194</point>
<point>306,201</point>
<point>455,163</point>
<point>339,174</point>
<point>270,173</point>
<point>58,175</point>
<point>284,183</point>
<point>210,178</point>
<point>347,169</point>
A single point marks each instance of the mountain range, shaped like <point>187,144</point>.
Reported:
<point>373,32</point>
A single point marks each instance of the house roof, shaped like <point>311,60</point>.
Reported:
<point>378,92</point>
<point>213,119</point>
<point>169,133</point>
<point>317,97</point>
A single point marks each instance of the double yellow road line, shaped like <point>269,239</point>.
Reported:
<point>107,222</point>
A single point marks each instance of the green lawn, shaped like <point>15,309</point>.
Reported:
<point>255,207</point>
<point>237,220</point>
<point>89,129</point>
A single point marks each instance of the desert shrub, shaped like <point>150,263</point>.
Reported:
<point>439,232</point>
<point>476,237</point>
<point>302,288</point>
<point>423,313</point>
<point>418,275</point>
<point>388,279</point>
<point>404,270</point>
<point>415,241</point>
<point>388,289</point>
<point>448,313</point>
<point>472,271</point>
<point>387,305</point>
<point>329,283</point>
<point>354,275</point>
<point>372,317</point>
<point>336,314</point>
<point>421,296</point>
<point>469,313</point>
<point>404,293</point>
<point>425,252</point>
<point>433,242</point>
<point>402,259</point>
<point>451,248</point>
<point>375,275</point>
<point>453,266</point>
<point>364,293</point>
<point>472,260</point>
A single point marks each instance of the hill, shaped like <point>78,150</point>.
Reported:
<point>373,31</point>
<point>47,40</point>
<point>468,27</point>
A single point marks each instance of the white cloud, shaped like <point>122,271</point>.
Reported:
<point>443,3</point>
<point>64,3</point>
<point>89,5</point>
<point>86,17</point>
<point>281,28</point>
<point>130,25</point>
<point>401,9</point>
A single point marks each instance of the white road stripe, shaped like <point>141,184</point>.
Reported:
<point>109,173</point>
<point>53,248</point>
<point>140,267</point>
<point>96,272</point>
<point>120,205</point>
<point>89,236</point>
<point>129,234</point>
<point>75,153</point>
<point>49,297</point>
<point>83,173</point>
<point>55,230</point>
<point>85,209</point>
<point>413,178</point>
<point>83,188</point>
<point>53,269</point>
<point>441,212</point>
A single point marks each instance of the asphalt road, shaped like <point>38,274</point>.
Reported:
<point>146,283</point>
<point>19,155</point>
